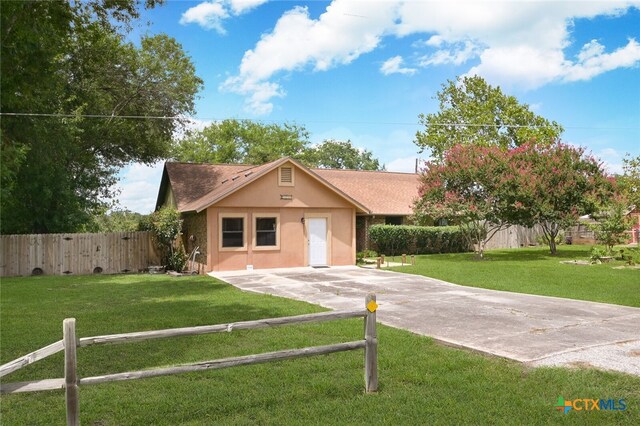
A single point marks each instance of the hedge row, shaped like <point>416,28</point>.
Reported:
<point>393,239</point>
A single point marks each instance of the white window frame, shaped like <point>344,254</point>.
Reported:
<point>265,215</point>
<point>245,229</point>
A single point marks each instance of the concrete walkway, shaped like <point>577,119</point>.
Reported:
<point>538,330</point>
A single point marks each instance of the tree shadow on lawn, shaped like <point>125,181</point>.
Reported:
<point>528,255</point>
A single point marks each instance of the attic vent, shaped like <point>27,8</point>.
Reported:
<point>225,181</point>
<point>285,176</point>
<point>247,174</point>
<point>234,178</point>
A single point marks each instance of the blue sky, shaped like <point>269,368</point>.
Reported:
<point>365,70</point>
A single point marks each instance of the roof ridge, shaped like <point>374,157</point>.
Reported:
<point>188,163</point>
<point>360,170</point>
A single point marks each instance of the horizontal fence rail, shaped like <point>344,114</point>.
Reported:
<point>70,343</point>
<point>218,328</point>
<point>77,254</point>
<point>23,361</point>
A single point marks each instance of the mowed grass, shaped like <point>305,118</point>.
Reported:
<point>420,381</point>
<point>534,271</point>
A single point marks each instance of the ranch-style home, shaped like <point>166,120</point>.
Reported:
<point>281,214</point>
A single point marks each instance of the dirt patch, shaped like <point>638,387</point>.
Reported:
<point>580,364</point>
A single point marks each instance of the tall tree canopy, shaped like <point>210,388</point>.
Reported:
<point>242,141</point>
<point>474,112</point>
<point>70,60</point>
<point>334,154</point>
<point>250,142</point>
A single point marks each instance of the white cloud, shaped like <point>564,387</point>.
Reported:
<point>139,185</point>
<point>593,61</point>
<point>515,42</point>
<point>457,54</point>
<point>210,14</point>
<point>241,6</point>
<point>394,66</point>
<point>346,30</point>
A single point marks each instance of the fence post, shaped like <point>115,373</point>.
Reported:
<point>71,371</point>
<point>371,347</point>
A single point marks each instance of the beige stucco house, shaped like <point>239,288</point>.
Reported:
<point>281,214</point>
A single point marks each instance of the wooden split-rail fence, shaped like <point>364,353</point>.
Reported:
<point>77,254</point>
<point>71,381</point>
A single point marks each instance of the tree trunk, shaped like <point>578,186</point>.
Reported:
<point>552,245</point>
<point>551,232</point>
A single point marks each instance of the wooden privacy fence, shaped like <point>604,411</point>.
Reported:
<point>515,236</point>
<point>69,344</point>
<point>78,254</point>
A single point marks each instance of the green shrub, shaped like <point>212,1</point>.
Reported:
<point>394,239</point>
<point>165,225</point>
<point>365,254</point>
<point>631,256</point>
<point>597,253</point>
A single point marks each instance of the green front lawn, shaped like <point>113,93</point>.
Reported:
<point>534,271</point>
<point>420,382</point>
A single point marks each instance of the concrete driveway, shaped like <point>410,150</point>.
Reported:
<point>538,330</point>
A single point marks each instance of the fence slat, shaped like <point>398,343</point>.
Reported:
<point>32,386</point>
<point>218,328</point>
<point>30,358</point>
<point>371,348</point>
<point>227,362</point>
<point>71,371</point>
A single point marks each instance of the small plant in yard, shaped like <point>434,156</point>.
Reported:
<point>597,254</point>
<point>361,255</point>
<point>612,222</point>
<point>631,256</point>
<point>165,224</point>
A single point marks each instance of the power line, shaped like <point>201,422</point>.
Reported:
<point>194,119</point>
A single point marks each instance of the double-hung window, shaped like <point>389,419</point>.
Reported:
<point>232,231</point>
<point>266,231</point>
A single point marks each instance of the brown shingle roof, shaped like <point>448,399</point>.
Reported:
<point>189,182</point>
<point>230,184</point>
<point>383,193</point>
<point>196,186</point>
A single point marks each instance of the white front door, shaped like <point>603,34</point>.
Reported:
<point>317,241</point>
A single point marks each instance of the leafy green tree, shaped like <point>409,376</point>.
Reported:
<point>249,142</point>
<point>241,141</point>
<point>115,221</point>
<point>474,112</point>
<point>166,226</point>
<point>334,154</point>
<point>553,185</point>
<point>629,182</point>
<point>613,222</point>
<point>465,188</point>
<point>70,60</point>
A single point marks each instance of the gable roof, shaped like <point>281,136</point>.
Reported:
<point>198,186</point>
<point>383,193</point>
<point>190,181</point>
